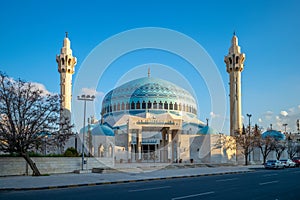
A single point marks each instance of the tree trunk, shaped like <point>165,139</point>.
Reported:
<point>32,165</point>
<point>265,158</point>
<point>246,159</point>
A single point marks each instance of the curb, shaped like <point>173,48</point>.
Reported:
<point>120,182</point>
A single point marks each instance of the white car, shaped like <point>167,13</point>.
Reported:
<point>274,164</point>
<point>288,163</point>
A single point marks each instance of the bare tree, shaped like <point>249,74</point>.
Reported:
<point>242,143</point>
<point>266,146</point>
<point>293,148</point>
<point>28,115</point>
<point>279,148</point>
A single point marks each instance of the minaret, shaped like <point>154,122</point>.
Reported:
<point>235,65</point>
<point>66,63</point>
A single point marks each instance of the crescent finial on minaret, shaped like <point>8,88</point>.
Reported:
<point>66,34</point>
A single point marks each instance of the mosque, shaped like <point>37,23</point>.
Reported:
<point>152,120</point>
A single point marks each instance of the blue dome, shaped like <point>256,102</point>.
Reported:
<point>102,129</point>
<point>207,130</point>
<point>274,134</point>
<point>98,129</point>
<point>148,94</point>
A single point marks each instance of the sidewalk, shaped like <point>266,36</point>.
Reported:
<point>89,179</point>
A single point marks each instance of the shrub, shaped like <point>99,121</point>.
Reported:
<point>71,152</point>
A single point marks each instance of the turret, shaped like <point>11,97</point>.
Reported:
<point>234,66</point>
<point>66,67</point>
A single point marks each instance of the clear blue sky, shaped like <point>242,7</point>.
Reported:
<point>268,31</point>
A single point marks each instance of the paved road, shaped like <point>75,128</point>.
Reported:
<point>261,184</point>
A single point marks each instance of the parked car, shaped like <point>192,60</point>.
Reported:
<point>288,163</point>
<point>273,164</point>
<point>297,161</point>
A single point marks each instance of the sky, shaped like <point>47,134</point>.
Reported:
<point>31,34</point>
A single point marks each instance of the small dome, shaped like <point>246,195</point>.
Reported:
<point>98,129</point>
<point>207,130</point>
<point>274,134</point>
<point>102,129</point>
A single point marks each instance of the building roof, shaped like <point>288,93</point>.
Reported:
<point>148,89</point>
<point>277,135</point>
<point>207,130</point>
<point>99,129</point>
<point>102,129</point>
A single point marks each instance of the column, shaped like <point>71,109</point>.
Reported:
<point>139,134</point>
<point>162,147</point>
<point>129,150</point>
<point>170,146</point>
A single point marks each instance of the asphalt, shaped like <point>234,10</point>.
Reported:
<point>121,175</point>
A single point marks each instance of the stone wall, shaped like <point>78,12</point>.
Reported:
<point>50,165</point>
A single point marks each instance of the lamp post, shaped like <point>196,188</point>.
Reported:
<point>298,124</point>
<point>249,116</point>
<point>84,98</point>
<point>284,127</point>
<point>45,141</point>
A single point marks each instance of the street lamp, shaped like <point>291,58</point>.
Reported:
<point>84,98</point>
<point>249,116</point>
<point>45,142</point>
<point>284,127</point>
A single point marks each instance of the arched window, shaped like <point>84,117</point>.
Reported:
<point>110,151</point>
<point>144,105</point>
<point>171,106</point>
<point>118,107</point>
<point>149,105</point>
<point>101,151</point>
<point>127,106</point>
<point>166,105</point>
<point>132,106</point>
<point>183,107</point>
<point>115,107</point>
<point>179,107</point>
<point>110,108</point>
<point>230,60</point>
<point>175,106</point>
<point>69,62</point>
<point>154,105</point>
<point>123,106</point>
<point>138,105</point>
<point>160,105</point>
<point>237,60</point>
<point>62,61</point>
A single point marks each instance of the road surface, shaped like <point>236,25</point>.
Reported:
<point>261,184</point>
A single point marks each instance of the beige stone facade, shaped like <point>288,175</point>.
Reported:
<point>66,67</point>
<point>234,66</point>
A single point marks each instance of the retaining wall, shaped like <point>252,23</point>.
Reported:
<point>50,165</point>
